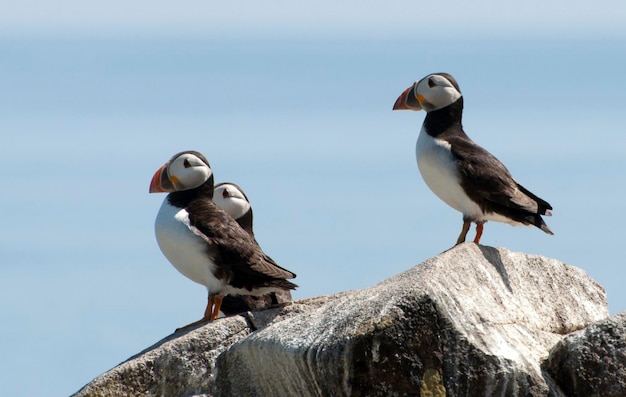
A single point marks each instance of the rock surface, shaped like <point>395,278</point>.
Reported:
<point>472,321</point>
<point>592,362</point>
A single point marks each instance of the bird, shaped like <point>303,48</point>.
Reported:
<point>206,244</point>
<point>232,199</point>
<point>460,172</point>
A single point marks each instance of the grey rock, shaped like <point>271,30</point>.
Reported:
<point>179,365</point>
<point>592,362</point>
<point>472,321</point>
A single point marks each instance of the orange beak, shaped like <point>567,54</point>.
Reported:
<point>161,182</point>
<point>407,100</point>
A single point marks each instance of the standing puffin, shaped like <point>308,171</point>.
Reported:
<point>232,199</point>
<point>464,175</point>
<point>206,244</point>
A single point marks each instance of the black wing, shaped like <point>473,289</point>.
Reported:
<point>244,264</point>
<point>490,184</point>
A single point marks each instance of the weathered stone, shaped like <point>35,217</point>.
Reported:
<point>472,321</point>
<point>179,365</point>
<point>592,362</point>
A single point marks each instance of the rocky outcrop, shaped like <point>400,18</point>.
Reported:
<point>592,362</point>
<point>472,321</point>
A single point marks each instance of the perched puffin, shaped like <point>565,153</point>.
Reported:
<point>206,244</point>
<point>462,174</point>
<point>232,199</point>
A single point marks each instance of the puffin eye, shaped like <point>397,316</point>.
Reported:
<point>186,163</point>
<point>431,82</point>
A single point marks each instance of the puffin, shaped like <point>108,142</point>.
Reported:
<point>205,243</point>
<point>232,199</point>
<point>461,173</point>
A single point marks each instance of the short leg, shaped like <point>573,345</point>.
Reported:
<point>217,304</point>
<point>479,232</point>
<point>464,230</point>
<point>208,313</point>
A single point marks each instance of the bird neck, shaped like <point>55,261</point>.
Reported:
<point>440,120</point>
<point>245,221</point>
<point>181,199</point>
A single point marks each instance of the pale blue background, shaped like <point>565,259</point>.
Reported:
<point>293,102</point>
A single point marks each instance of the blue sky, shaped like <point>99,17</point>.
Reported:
<point>294,104</point>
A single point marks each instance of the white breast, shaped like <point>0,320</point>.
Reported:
<point>439,171</point>
<point>185,251</point>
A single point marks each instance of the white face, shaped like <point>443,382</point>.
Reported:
<point>187,171</point>
<point>435,92</point>
<point>232,200</point>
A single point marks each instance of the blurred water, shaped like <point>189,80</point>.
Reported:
<point>305,127</point>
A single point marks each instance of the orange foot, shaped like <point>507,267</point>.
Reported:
<point>211,312</point>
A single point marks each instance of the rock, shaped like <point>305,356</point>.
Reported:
<point>472,321</point>
<point>179,365</point>
<point>592,362</point>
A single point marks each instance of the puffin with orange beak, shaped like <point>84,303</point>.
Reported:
<point>205,243</point>
<point>461,173</point>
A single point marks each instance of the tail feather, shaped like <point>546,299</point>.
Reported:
<point>543,207</point>
<point>539,222</point>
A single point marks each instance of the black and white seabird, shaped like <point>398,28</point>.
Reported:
<point>206,244</point>
<point>462,174</point>
<point>232,199</point>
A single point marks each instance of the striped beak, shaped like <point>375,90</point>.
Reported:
<point>408,100</point>
<point>161,182</point>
